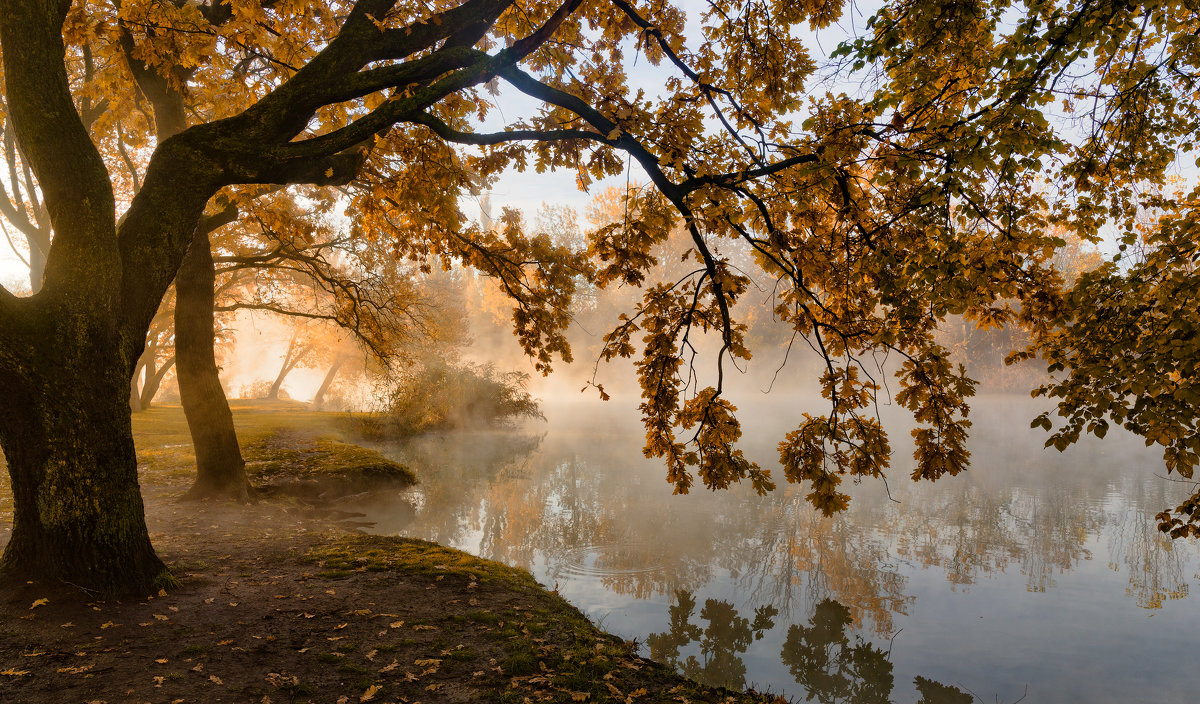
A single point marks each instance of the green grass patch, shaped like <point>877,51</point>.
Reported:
<point>380,553</point>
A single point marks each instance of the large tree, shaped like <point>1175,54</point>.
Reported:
<point>876,218</point>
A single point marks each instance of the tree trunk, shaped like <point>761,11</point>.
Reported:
<point>289,363</point>
<point>319,398</point>
<point>153,382</point>
<point>273,394</point>
<point>66,434</point>
<point>37,263</point>
<point>135,394</point>
<point>220,469</point>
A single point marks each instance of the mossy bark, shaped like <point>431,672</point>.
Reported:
<point>220,469</point>
<point>78,518</point>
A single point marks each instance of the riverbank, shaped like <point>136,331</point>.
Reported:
<point>281,601</point>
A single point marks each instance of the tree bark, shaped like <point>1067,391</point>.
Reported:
<point>66,434</point>
<point>220,469</point>
<point>318,399</point>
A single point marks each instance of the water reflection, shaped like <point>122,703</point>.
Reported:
<point>579,506</point>
<point>721,641</point>
<point>824,656</point>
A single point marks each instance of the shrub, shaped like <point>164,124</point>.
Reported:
<point>436,395</point>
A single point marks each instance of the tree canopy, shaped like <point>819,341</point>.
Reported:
<point>934,193</point>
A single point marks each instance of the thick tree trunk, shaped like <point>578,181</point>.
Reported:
<point>318,399</point>
<point>220,469</point>
<point>65,429</point>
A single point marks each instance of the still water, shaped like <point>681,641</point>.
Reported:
<point>1035,574</point>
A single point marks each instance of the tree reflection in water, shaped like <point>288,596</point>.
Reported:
<point>831,664</point>
<point>721,642</point>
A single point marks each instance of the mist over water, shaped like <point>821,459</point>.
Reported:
<point>1034,570</point>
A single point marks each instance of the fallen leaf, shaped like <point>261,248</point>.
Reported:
<point>214,679</point>
<point>39,602</point>
<point>13,673</point>
<point>370,693</point>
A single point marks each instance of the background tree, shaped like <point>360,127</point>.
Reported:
<point>158,359</point>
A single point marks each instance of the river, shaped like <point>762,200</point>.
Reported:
<point>1034,575</point>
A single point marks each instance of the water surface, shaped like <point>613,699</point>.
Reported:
<point>1034,574</point>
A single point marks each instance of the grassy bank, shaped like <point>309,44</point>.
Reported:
<point>279,604</point>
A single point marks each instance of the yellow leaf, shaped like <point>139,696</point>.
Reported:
<point>14,673</point>
<point>370,693</point>
<point>39,602</point>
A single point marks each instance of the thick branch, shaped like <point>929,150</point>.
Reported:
<point>57,146</point>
